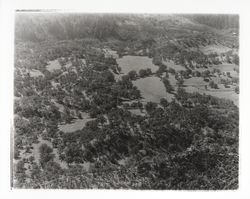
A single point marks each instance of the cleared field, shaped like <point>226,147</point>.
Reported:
<point>137,112</point>
<point>197,81</point>
<point>214,48</point>
<point>227,68</point>
<point>196,84</point>
<point>35,73</point>
<point>226,94</point>
<point>53,65</point>
<point>77,124</point>
<point>128,63</point>
<point>152,89</point>
<point>220,93</point>
<point>224,67</point>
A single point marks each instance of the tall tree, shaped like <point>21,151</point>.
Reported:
<point>46,154</point>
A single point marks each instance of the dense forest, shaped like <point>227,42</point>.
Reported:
<point>65,72</point>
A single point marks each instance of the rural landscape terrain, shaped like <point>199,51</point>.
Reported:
<point>126,101</point>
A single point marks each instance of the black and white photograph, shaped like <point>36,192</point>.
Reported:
<point>125,101</point>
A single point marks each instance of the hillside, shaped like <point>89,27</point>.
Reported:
<point>126,101</point>
<point>218,21</point>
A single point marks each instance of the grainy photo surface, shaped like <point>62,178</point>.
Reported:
<point>126,101</point>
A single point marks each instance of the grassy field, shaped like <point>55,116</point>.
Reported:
<point>214,48</point>
<point>128,63</point>
<point>152,89</point>
<point>53,65</point>
<point>76,124</point>
<point>35,73</point>
<point>227,68</point>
